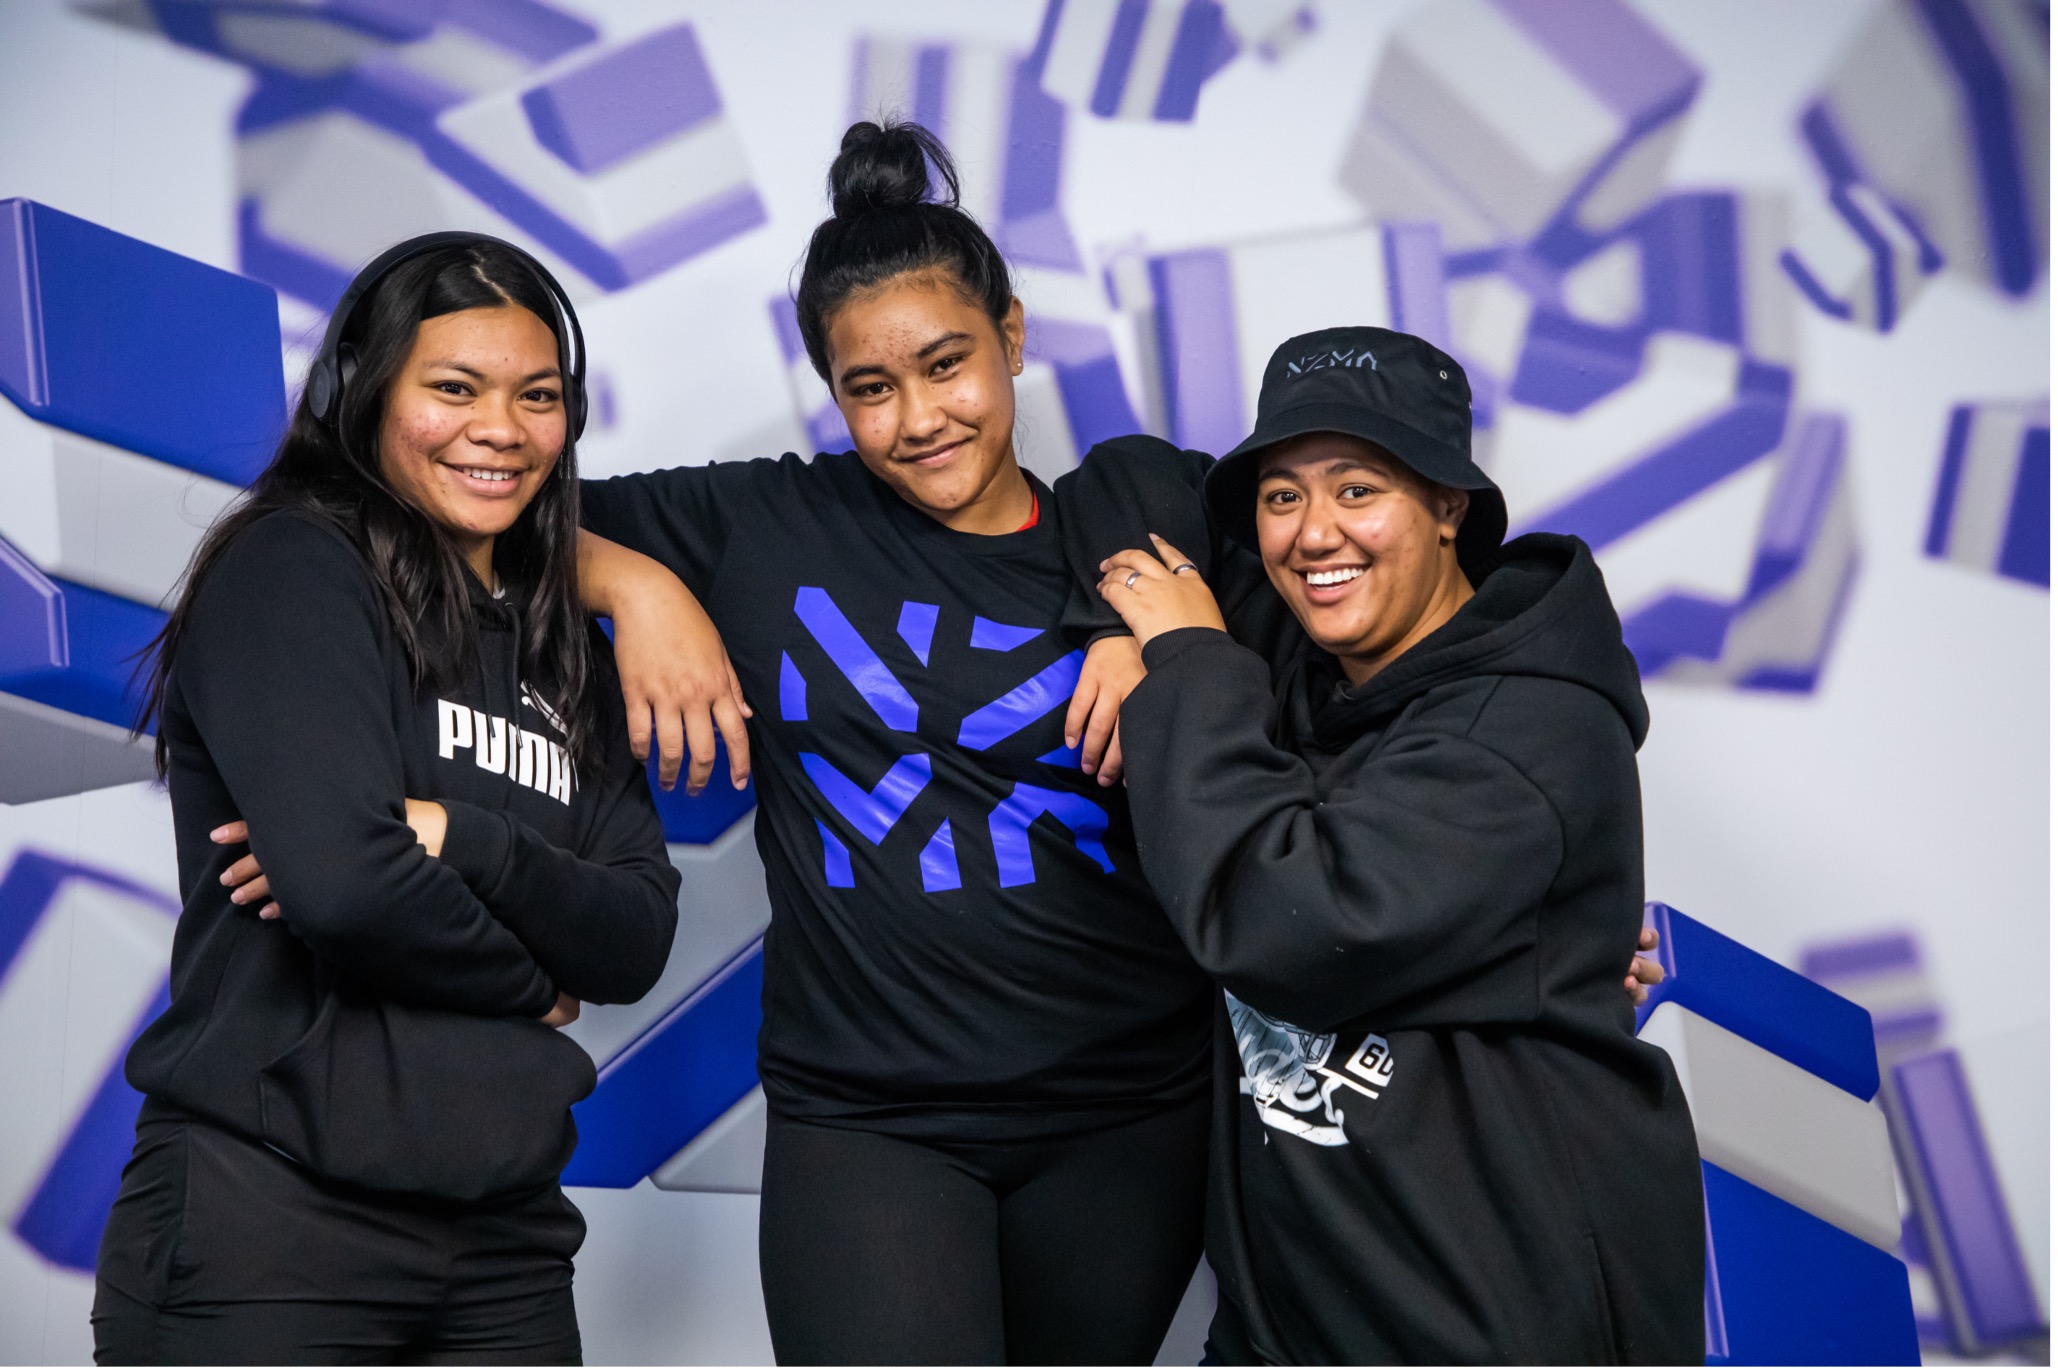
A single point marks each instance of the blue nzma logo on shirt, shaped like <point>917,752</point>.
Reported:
<point>872,812</point>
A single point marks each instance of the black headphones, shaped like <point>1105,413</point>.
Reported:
<point>336,363</point>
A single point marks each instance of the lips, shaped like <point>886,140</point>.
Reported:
<point>938,457</point>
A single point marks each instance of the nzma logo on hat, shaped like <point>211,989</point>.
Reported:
<point>1323,361</point>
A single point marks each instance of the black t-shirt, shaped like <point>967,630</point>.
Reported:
<point>962,942</point>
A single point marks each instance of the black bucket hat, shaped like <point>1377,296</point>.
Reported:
<point>1391,389</point>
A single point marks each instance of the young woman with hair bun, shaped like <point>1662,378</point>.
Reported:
<point>984,1051</point>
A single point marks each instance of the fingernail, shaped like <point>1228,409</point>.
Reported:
<point>235,896</point>
<point>739,784</point>
<point>226,880</point>
<point>217,834</point>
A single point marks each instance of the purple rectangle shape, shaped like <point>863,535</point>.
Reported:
<point>1938,543</point>
<point>1613,51</point>
<point>1198,346</point>
<point>1415,282</point>
<point>932,83</point>
<point>1996,144</point>
<point>1036,147</point>
<point>786,323</point>
<point>22,370</point>
<point>1201,47</point>
<point>1118,56</point>
<point>625,101</point>
<point>1802,493</point>
<point>1692,272</point>
<point>1958,1193</point>
<point>32,624</point>
<point>690,234</point>
<point>2026,541</point>
<point>1888,953</point>
<point>536,31</point>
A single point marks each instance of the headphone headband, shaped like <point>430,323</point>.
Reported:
<point>326,377</point>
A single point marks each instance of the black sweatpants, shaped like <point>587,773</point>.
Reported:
<point>1059,1251</point>
<point>221,1251</point>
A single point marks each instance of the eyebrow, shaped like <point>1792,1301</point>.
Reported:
<point>547,373</point>
<point>935,345</point>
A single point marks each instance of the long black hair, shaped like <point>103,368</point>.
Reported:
<point>332,474</point>
<point>888,218</point>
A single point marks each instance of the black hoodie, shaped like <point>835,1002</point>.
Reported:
<point>384,1031</point>
<point>1437,1138</point>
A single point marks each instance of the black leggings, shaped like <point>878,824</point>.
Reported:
<point>220,1251</point>
<point>1062,1251</point>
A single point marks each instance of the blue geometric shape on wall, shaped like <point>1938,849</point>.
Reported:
<point>685,1072</point>
<point>107,637</point>
<point>97,336</point>
<point>1763,1002</point>
<point>701,818</point>
<point>1787,1288</point>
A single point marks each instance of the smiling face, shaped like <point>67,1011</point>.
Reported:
<point>926,383</point>
<point>1361,548</point>
<point>474,423</point>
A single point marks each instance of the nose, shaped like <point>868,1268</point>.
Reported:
<point>1318,535</point>
<point>496,423</point>
<point>922,418</point>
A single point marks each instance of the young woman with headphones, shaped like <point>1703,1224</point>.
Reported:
<point>379,679</point>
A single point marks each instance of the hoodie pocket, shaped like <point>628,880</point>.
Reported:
<point>421,1101</point>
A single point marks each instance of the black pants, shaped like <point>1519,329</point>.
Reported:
<point>1071,1250</point>
<point>221,1251</point>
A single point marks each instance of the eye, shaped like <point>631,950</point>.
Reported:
<point>450,387</point>
<point>1356,490</point>
<point>946,365</point>
<point>1280,499</point>
<point>870,390</point>
<point>542,395</point>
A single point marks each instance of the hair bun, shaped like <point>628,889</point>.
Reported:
<point>887,167</point>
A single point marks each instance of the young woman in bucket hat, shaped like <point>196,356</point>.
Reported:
<point>1412,864</point>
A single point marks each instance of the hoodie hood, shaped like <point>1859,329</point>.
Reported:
<point>1543,612</point>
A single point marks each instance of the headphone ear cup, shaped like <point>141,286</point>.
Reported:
<point>321,391</point>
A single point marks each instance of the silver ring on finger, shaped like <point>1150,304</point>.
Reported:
<point>1129,581</point>
<point>1185,566</point>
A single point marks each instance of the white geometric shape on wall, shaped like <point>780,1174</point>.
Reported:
<point>1511,114</point>
<point>90,512</point>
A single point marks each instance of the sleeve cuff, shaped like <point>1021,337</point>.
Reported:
<point>1165,648</point>
<point>477,845</point>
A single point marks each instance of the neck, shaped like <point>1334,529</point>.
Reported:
<point>1452,591</point>
<point>1002,507</point>
<point>478,555</point>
